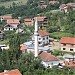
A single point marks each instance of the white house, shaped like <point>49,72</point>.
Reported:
<point>13,22</point>
<point>48,60</point>
<point>30,47</point>
<point>43,37</point>
<point>8,27</point>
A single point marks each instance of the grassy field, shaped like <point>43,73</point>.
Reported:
<point>8,4</point>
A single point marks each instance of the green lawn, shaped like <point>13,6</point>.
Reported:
<point>4,41</point>
<point>8,4</point>
<point>60,34</point>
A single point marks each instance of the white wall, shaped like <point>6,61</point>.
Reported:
<point>51,63</point>
<point>41,40</point>
<point>8,28</point>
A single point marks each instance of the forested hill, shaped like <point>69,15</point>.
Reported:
<point>57,20</point>
<point>6,0</point>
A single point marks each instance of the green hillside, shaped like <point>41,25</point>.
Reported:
<point>9,3</point>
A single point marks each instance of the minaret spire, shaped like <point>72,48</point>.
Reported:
<point>36,38</point>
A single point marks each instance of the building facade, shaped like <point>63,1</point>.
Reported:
<point>68,44</point>
<point>43,37</point>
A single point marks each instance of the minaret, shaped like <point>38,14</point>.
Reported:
<point>36,38</point>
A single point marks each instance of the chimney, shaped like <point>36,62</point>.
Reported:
<point>36,38</point>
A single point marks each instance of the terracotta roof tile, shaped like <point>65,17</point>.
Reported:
<point>13,21</point>
<point>23,47</point>
<point>70,63</point>
<point>40,18</point>
<point>6,17</point>
<point>43,33</point>
<point>67,40</point>
<point>47,57</point>
<point>28,21</point>
<point>12,72</point>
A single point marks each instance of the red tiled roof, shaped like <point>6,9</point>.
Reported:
<point>28,21</point>
<point>13,21</point>
<point>23,47</point>
<point>8,25</point>
<point>6,17</point>
<point>67,40</point>
<point>40,18</point>
<point>47,57</point>
<point>70,4</point>
<point>12,72</point>
<point>43,33</point>
<point>70,63</point>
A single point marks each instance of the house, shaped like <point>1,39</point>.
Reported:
<point>30,47</point>
<point>42,20</point>
<point>13,22</point>
<point>67,7</point>
<point>43,37</point>
<point>53,1</point>
<point>42,4</point>
<point>64,7</point>
<point>20,31</point>
<point>48,60</point>
<point>68,44</point>
<point>69,60</point>
<point>1,35</point>
<point>8,27</point>
<point>11,72</point>
<point>29,22</point>
<point>5,17</point>
<point>70,63</point>
<point>4,47</point>
<point>23,48</point>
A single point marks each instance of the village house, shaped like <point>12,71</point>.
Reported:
<point>43,37</point>
<point>8,27</point>
<point>53,1</point>
<point>23,48</point>
<point>28,47</point>
<point>42,20</point>
<point>5,17</point>
<point>68,44</point>
<point>28,22</point>
<point>67,7</point>
<point>48,60</point>
<point>11,72</point>
<point>42,4</point>
<point>13,22</point>
<point>64,8</point>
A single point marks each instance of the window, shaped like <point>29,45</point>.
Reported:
<point>64,44</point>
<point>63,48</point>
<point>43,38</point>
<point>39,42</point>
<point>71,49</point>
<point>47,37</point>
<point>39,38</point>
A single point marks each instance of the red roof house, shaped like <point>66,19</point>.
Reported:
<point>48,60</point>
<point>28,22</point>
<point>6,17</point>
<point>13,22</point>
<point>23,48</point>
<point>43,37</point>
<point>11,72</point>
<point>42,20</point>
<point>68,44</point>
